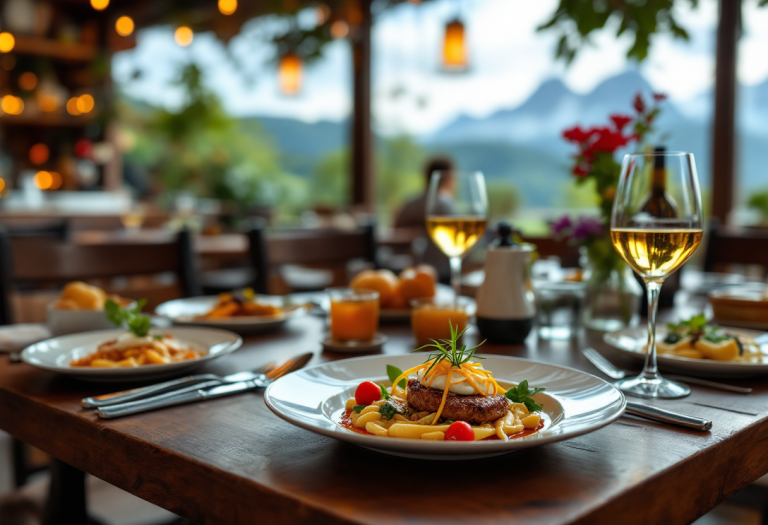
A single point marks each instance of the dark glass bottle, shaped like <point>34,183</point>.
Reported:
<point>660,204</point>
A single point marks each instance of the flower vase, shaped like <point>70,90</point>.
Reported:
<point>613,295</point>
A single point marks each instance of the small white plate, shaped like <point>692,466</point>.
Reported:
<point>355,347</point>
<point>185,312</point>
<point>575,403</point>
<point>55,355</point>
<point>633,342</point>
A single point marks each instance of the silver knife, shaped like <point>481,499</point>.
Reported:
<point>196,393</point>
<point>667,416</point>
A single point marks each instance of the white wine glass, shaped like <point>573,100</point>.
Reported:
<point>456,215</point>
<point>656,225</point>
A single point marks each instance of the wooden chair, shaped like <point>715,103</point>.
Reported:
<point>735,246</point>
<point>326,248</point>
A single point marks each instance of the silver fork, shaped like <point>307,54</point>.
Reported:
<point>609,369</point>
<point>198,381</point>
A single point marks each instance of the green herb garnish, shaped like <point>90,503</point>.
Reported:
<point>393,373</point>
<point>136,322</point>
<point>158,337</point>
<point>714,337</point>
<point>384,393</point>
<point>358,408</point>
<point>387,410</point>
<point>521,394</point>
<point>449,349</point>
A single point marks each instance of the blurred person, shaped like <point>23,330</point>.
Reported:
<point>413,215</point>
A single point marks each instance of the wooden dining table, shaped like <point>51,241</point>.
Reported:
<point>232,461</point>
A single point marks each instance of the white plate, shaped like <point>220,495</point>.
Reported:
<point>575,403</point>
<point>633,341</point>
<point>56,354</point>
<point>185,311</point>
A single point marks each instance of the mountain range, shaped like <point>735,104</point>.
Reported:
<point>524,145</point>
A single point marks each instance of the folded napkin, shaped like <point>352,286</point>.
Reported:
<point>16,337</point>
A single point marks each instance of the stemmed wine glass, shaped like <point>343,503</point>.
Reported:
<point>456,215</point>
<point>656,225</point>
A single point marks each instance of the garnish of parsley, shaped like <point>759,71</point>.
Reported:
<point>132,318</point>
<point>521,394</point>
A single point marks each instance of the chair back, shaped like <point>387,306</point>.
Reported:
<point>731,246</point>
<point>43,261</point>
<point>330,248</point>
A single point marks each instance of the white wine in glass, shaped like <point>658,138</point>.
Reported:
<point>655,243</point>
<point>456,215</point>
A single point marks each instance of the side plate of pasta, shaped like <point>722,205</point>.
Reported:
<point>354,400</point>
<point>116,355</point>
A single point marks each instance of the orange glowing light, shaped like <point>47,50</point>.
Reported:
<point>2,185</point>
<point>43,180</point>
<point>85,103</point>
<point>56,180</point>
<point>124,25</point>
<point>322,12</point>
<point>339,29</point>
<point>455,46</point>
<point>99,5</point>
<point>183,36</point>
<point>72,107</point>
<point>38,154</point>
<point>27,81</point>
<point>227,7</point>
<point>47,102</point>
<point>12,105</point>
<point>289,73</point>
<point>6,42</point>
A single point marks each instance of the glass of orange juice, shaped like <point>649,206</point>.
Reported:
<point>432,318</point>
<point>354,314</point>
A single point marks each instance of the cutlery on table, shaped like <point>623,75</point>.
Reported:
<point>667,416</point>
<point>196,392</point>
<point>176,385</point>
<point>609,369</point>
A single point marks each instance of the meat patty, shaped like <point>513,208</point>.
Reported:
<point>473,409</point>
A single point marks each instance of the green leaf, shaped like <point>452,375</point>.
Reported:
<point>115,313</point>
<point>159,337</point>
<point>521,394</point>
<point>393,373</point>
<point>136,322</point>
<point>387,410</point>
<point>384,393</point>
<point>359,408</point>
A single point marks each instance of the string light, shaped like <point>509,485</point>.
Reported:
<point>85,103</point>
<point>72,107</point>
<point>124,25</point>
<point>38,154</point>
<point>183,36</point>
<point>290,73</point>
<point>454,46</point>
<point>339,29</point>
<point>12,105</point>
<point>43,180</point>
<point>27,81</point>
<point>7,42</point>
<point>99,5</point>
<point>227,7</point>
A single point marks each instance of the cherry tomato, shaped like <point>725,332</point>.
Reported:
<point>367,393</point>
<point>460,431</point>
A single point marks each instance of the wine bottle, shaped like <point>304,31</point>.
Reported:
<point>660,203</point>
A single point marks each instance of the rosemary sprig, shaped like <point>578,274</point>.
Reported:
<point>448,349</point>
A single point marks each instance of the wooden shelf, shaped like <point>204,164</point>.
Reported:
<point>27,45</point>
<point>49,120</point>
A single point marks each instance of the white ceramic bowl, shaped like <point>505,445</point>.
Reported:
<point>63,322</point>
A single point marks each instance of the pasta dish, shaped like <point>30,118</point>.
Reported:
<point>450,398</point>
<point>695,339</point>
<point>240,304</point>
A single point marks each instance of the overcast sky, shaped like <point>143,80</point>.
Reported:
<point>509,60</point>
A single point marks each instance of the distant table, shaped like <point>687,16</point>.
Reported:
<point>232,461</point>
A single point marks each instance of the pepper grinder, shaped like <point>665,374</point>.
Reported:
<point>505,302</point>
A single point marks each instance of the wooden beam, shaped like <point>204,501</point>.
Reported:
<point>724,125</point>
<point>362,140</point>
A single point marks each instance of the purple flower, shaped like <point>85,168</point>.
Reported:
<point>588,227</point>
<point>561,225</point>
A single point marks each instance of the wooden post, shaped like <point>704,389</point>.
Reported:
<point>724,125</point>
<point>362,140</point>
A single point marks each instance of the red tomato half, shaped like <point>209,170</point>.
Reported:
<point>460,431</point>
<point>367,393</point>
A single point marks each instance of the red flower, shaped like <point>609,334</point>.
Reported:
<point>608,141</point>
<point>620,121</point>
<point>581,170</point>
<point>575,134</point>
<point>659,97</point>
<point>639,103</point>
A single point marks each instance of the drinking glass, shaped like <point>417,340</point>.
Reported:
<point>354,314</point>
<point>456,215</point>
<point>655,231</point>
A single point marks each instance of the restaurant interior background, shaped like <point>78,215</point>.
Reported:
<point>206,118</point>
